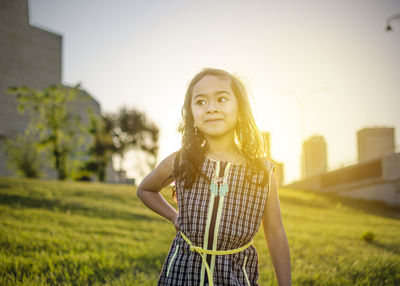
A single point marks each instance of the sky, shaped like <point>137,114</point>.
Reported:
<point>333,56</point>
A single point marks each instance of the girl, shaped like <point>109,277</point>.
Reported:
<point>224,186</point>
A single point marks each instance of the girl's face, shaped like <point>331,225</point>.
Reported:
<point>214,106</point>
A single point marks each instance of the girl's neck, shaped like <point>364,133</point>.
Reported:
<point>221,148</point>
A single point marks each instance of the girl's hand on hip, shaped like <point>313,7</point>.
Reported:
<point>175,222</point>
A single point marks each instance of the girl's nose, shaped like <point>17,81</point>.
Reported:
<point>212,106</point>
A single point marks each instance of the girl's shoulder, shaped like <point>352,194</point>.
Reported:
<point>161,176</point>
<point>169,161</point>
<point>269,163</point>
<point>264,163</point>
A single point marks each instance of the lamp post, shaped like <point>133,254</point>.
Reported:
<point>301,102</point>
<point>395,17</point>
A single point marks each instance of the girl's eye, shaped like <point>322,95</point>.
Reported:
<point>200,102</point>
<point>222,99</point>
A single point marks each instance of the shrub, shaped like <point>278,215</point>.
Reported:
<point>24,155</point>
<point>368,236</point>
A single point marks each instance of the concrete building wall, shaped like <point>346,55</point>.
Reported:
<point>32,57</point>
<point>314,159</point>
<point>15,12</point>
<point>267,143</point>
<point>280,173</point>
<point>28,56</point>
<point>387,192</point>
<point>377,179</point>
<point>375,142</point>
<point>279,167</point>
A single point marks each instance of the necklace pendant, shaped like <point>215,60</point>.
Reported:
<point>223,189</point>
<point>214,188</point>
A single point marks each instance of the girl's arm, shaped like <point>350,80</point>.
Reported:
<point>275,236</point>
<point>149,189</point>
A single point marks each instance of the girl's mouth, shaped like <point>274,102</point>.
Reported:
<point>213,120</point>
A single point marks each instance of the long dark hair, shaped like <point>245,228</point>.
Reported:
<point>247,136</point>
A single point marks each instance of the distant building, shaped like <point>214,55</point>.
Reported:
<point>314,158</point>
<point>29,56</point>
<point>375,143</point>
<point>376,178</point>
<point>267,144</point>
<point>280,173</point>
<point>279,170</point>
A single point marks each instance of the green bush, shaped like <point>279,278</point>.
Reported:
<point>368,236</point>
<point>24,155</point>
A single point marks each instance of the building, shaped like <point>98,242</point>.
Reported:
<point>314,158</point>
<point>279,170</point>
<point>267,144</point>
<point>376,178</point>
<point>374,143</point>
<point>32,57</point>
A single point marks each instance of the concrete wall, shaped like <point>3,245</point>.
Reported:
<point>375,142</point>
<point>28,56</point>
<point>314,158</point>
<point>377,179</point>
<point>280,173</point>
<point>384,191</point>
<point>33,57</point>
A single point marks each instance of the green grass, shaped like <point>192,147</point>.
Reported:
<point>69,233</point>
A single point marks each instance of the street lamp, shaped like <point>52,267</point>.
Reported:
<point>301,102</point>
<point>392,18</point>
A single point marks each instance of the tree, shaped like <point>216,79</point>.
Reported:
<point>101,150</point>
<point>53,120</point>
<point>130,129</point>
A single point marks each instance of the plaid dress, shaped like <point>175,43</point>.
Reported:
<point>217,221</point>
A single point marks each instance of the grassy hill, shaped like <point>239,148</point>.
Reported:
<point>69,233</point>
